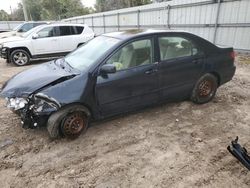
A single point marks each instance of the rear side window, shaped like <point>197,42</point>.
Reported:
<point>70,30</point>
<point>176,47</point>
<point>76,30</point>
<point>65,30</point>
<point>79,30</point>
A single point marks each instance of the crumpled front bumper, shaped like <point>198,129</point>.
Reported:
<point>29,120</point>
<point>239,153</point>
<point>36,111</point>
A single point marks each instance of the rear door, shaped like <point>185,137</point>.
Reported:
<point>69,38</point>
<point>181,63</point>
<point>135,83</point>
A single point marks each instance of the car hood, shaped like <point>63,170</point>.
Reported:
<point>8,34</point>
<point>10,39</point>
<point>36,78</point>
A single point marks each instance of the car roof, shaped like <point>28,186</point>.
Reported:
<point>132,33</point>
<point>36,22</point>
<point>60,24</point>
<point>66,24</point>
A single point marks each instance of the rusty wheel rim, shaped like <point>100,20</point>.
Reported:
<point>74,124</point>
<point>205,88</point>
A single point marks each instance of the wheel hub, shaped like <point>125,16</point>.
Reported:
<point>20,58</point>
<point>74,124</point>
<point>205,88</point>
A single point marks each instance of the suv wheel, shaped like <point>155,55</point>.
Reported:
<point>20,57</point>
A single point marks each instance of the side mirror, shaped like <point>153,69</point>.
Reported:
<point>21,30</point>
<point>108,69</point>
<point>35,36</point>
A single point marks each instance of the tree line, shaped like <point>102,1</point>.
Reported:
<point>61,9</point>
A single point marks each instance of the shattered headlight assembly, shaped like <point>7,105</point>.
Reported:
<point>16,103</point>
<point>44,104</point>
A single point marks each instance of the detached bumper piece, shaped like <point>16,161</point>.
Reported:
<point>239,153</point>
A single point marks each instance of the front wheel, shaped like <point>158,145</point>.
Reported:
<point>68,122</point>
<point>20,57</point>
<point>204,89</point>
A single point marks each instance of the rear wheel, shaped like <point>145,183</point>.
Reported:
<point>205,89</point>
<point>69,122</point>
<point>20,57</point>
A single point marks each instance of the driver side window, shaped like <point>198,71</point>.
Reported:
<point>133,54</point>
<point>46,32</point>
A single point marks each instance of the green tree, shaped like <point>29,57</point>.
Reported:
<point>106,5</point>
<point>50,10</point>
<point>17,14</point>
<point>34,8</point>
<point>4,16</point>
<point>60,9</point>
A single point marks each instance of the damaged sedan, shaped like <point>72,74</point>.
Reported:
<point>116,73</point>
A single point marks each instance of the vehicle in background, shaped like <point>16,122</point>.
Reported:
<point>20,29</point>
<point>45,41</point>
<point>2,31</point>
<point>117,73</point>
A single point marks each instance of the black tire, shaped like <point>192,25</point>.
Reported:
<point>204,89</point>
<point>56,122</point>
<point>20,57</point>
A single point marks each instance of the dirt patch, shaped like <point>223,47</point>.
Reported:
<point>171,145</point>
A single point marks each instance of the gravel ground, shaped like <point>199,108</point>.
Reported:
<point>171,145</point>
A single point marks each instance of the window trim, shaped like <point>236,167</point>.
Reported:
<point>151,38</point>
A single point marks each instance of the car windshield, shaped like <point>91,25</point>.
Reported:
<point>26,34</point>
<point>18,27</point>
<point>85,56</point>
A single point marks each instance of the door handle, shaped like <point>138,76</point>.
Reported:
<point>196,61</point>
<point>151,71</point>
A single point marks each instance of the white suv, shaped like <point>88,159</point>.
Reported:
<point>44,41</point>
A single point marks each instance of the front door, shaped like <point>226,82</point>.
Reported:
<point>135,83</point>
<point>181,63</point>
<point>47,41</point>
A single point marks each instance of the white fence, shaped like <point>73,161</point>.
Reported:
<point>223,22</point>
<point>9,25</point>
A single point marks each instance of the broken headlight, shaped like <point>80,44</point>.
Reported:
<point>16,103</point>
<point>44,104</point>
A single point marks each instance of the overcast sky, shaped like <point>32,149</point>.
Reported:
<point>5,4</point>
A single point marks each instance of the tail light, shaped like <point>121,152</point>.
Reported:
<point>233,54</point>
